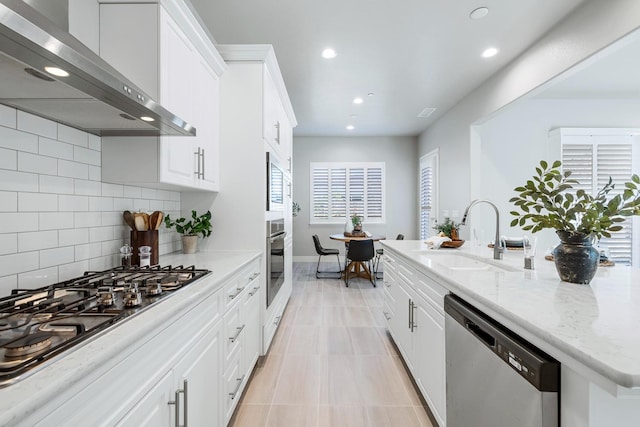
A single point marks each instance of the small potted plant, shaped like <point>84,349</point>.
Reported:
<point>357,223</point>
<point>197,225</point>
<point>448,228</point>
<point>549,200</point>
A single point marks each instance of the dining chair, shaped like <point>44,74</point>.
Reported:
<point>323,252</point>
<point>379,253</point>
<point>360,255</point>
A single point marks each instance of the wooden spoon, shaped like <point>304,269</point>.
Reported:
<point>139,221</point>
<point>153,220</point>
<point>128,218</point>
<point>159,220</point>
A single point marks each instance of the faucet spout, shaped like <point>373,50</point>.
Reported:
<point>497,243</point>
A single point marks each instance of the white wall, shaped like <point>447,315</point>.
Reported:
<point>57,218</point>
<point>463,166</point>
<point>401,166</point>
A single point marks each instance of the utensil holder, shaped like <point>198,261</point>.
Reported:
<point>144,238</point>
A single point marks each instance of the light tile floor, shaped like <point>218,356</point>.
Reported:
<point>331,363</point>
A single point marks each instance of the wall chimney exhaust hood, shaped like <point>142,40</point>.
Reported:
<point>47,72</point>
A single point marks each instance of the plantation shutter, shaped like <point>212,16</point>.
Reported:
<point>592,160</point>
<point>341,190</point>
<point>427,193</point>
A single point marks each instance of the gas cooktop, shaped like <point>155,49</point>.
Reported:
<point>37,325</point>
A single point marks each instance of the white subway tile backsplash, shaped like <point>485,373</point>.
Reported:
<point>132,192</point>
<point>18,263</point>
<point>57,256</point>
<point>8,283</point>
<point>35,124</point>
<point>95,142</point>
<point>73,203</point>
<point>171,206</point>
<point>101,234</point>
<point>8,244</point>
<point>112,247</point>
<point>8,116</point>
<point>72,270</point>
<point>87,188</point>
<point>113,190</point>
<point>36,163</point>
<point>95,173</point>
<point>11,222</point>
<point>140,205</point>
<point>72,135</point>
<point>16,140</point>
<point>37,240</point>
<point>168,195</point>
<point>18,181</point>
<point>73,169</point>
<point>156,205</point>
<point>53,148</point>
<point>85,155</point>
<point>101,203</point>
<point>90,250</point>
<point>87,219</point>
<point>121,205</point>
<point>38,278</point>
<point>55,220</point>
<point>8,201</point>
<point>78,236</point>
<point>149,193</point>
<point>37,202</point>
<point>102,263</point>
<point>8,159</point>
<point>56,184</point>
<point>112,218</point>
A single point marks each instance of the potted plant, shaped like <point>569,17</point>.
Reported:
<point>197,225</point>
<point>448,228</point>
<point>549,200</point>
<point>357,223</point>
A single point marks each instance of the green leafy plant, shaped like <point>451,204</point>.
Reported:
<point>356,220</point>
<point>549,200</point>
<point>295,209</point>
<point>447,227</point>
<point>196,225</point>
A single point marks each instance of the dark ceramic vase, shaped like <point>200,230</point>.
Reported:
<point>575,257</point>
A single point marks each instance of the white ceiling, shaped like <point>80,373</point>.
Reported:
<point>412,54</point>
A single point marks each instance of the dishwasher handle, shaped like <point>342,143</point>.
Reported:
<point>480,333</point>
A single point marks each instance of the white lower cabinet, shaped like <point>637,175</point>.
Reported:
<point>416,322</point>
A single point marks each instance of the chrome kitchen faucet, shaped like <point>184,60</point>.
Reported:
<point>498,249</point>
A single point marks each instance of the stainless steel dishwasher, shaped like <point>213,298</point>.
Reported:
<point>494,377</point>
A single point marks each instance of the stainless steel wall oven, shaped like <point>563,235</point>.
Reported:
<point>275,184</point>
<point>275,258</point>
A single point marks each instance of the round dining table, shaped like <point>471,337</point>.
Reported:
<point>357,268</point>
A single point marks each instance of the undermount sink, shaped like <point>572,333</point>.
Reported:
<point>463,262</point>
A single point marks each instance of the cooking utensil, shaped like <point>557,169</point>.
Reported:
<point>155,220</point>
<point>160,219</point>
<point>140,223</point>
<point>128,218</point>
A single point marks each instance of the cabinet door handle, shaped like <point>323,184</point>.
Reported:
<point>386,315</point>
<point>277,126</point>
<point>238,331</point>
<point>202,155</point>
<point>253,291</point>
<point>176,402</point>
<point>277,321</point>
<point>238,292</point>
<point>234,392</point>
<point>410,312</point>
<point>413,317</point>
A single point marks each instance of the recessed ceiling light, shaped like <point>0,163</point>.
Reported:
<point>479,13</point>
<point>58,72</point>
<point>353,116</point>
<point>329,53</point>
<point>147,119</point>
<point>370,94</point>
<point>350,127</point>
<point>488,53</point>
<point>358,100</point>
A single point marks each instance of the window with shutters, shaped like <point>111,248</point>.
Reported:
<point>592,159</point>
<point>341,190</point>
<point>428,192</point>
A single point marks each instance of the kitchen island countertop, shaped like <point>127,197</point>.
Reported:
<point>591,326</point>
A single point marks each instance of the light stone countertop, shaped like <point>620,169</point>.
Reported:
<point>19,400</point>
<point>595,326</point>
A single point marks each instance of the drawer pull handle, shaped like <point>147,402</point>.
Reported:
<point>238,292</point>
<point>386,315</point>
<point>277,321</point>
<point>238,331</point>
<point>253,277</point>
<point>253,291</point>
<point>235,392</point>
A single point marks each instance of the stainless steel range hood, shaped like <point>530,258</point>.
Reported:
<point>94,97</point>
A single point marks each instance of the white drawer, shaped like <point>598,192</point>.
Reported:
<point>234,380</point>
<point>429,289</point>
<point>233,329</point>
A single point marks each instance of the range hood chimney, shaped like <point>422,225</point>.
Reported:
<point>47,72</point>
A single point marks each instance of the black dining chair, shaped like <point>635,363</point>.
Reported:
<point>323,252</point>
<point>379,253</point>
<point>360,254</point>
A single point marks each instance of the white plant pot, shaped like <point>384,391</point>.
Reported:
<point>189,244</point>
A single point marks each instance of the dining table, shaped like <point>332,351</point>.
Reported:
<point>357,268</point>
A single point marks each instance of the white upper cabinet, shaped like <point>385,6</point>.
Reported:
<point>162,49</point>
